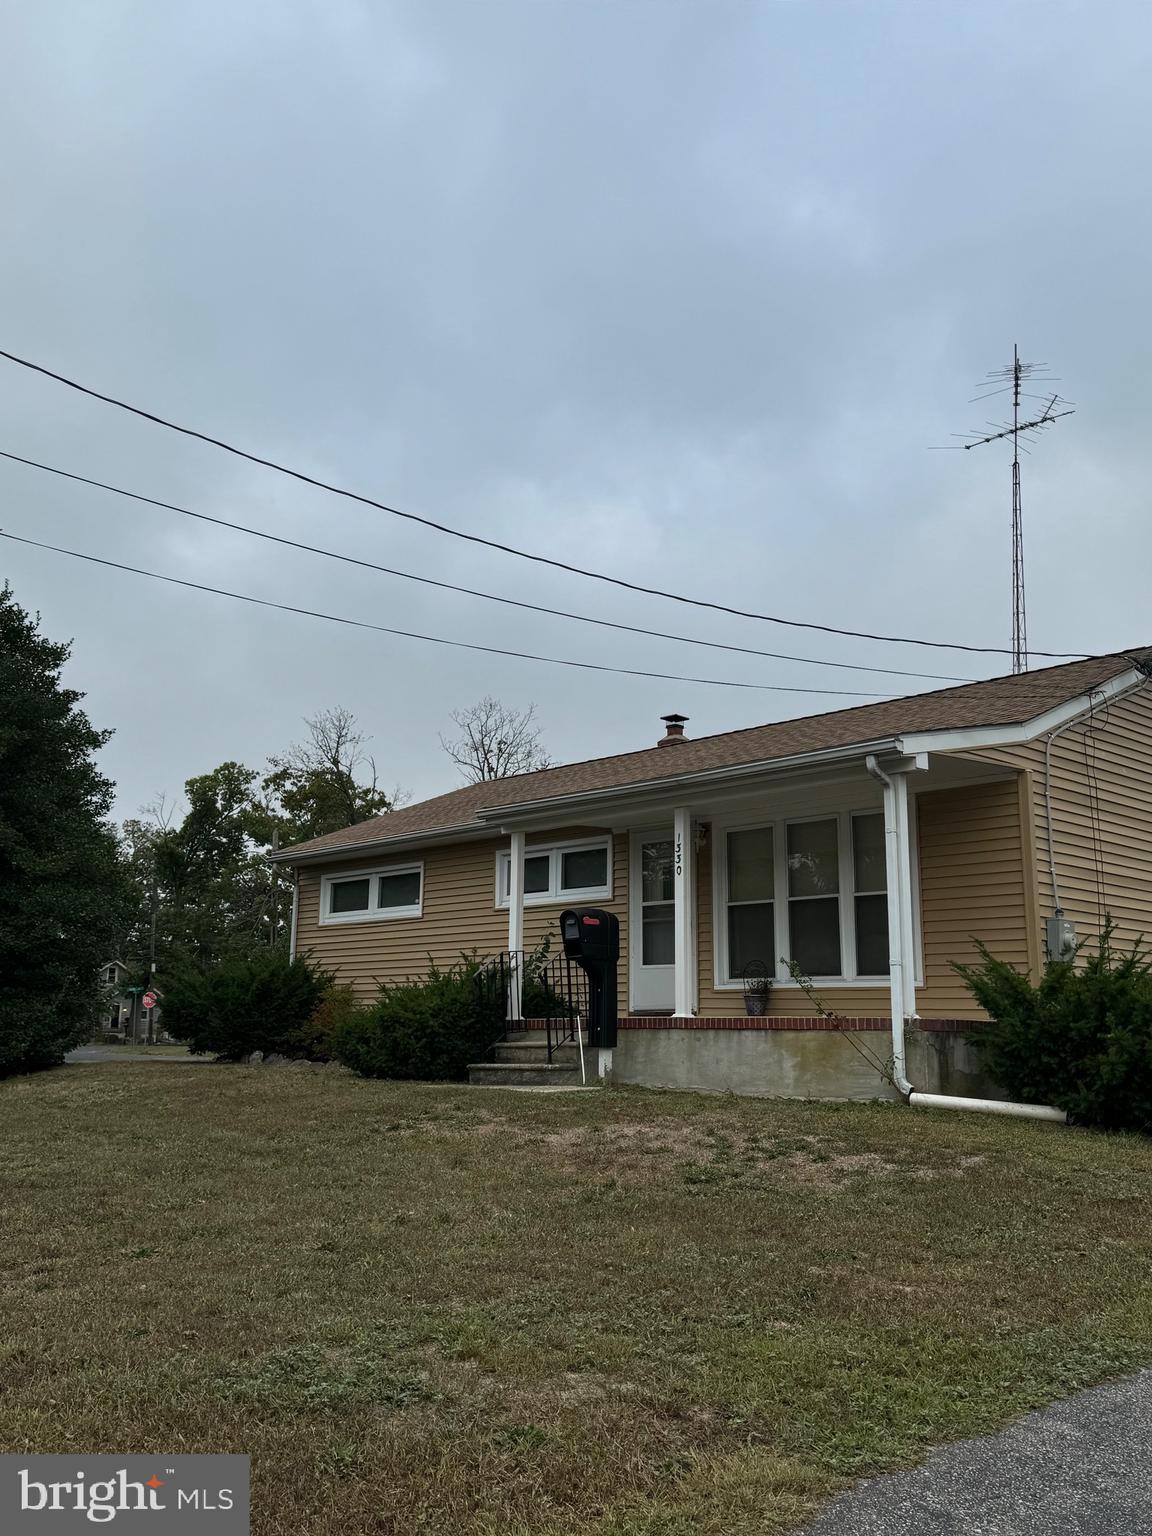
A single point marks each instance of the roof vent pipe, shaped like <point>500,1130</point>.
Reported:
<point>675,731</point>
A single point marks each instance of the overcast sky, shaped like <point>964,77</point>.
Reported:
<point>682,291</point>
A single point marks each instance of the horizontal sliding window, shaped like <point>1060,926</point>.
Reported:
<point>393,891</point>
<point>566,872</point>
<point>810,892</point>
<point>350,896</point>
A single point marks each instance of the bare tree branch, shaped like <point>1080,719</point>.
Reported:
<point>495,742</point>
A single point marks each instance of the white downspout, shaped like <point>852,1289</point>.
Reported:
<point>902,979</point>
<point>907,916</point>
<point>295,913</point>
<point>896,957</point>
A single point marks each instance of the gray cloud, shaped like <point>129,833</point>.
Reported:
<point>686,289</point>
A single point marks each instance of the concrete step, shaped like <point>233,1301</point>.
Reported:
<point>535,1074</point>
<point>514,1050</point>
<point>532,1037</point>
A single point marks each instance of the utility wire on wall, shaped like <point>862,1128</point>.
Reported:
<point>508,549</point>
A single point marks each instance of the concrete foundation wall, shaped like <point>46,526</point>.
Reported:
<point>805,1064</point>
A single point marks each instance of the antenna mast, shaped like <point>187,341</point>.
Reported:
<point>998,382</point>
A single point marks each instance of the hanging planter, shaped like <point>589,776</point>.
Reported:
<point>757,986</point>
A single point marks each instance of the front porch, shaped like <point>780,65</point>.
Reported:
<point>869,877</point>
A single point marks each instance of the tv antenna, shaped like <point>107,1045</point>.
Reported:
<point>1011,380</point>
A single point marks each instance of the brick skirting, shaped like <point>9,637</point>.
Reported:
<point>777,1022</point>
<point>785,1022</point>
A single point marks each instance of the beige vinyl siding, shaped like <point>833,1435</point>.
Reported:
<point>974,884</point>
<point>1120,744</point>
<point>459,913</point>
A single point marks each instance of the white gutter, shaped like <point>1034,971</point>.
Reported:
<point>295,913</point>
<point>466,831</point>
<point>902,977</point>
<point>675,783</point>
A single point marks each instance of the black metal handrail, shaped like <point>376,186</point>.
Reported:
<point>531,990</point>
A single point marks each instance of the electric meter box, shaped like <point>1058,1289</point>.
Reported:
<point>1060,935</point>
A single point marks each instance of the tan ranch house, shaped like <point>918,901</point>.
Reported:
<point>871,846</point>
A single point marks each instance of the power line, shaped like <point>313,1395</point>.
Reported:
<point>508,549</point>
<point>448,586</point>
<point>407,634</point>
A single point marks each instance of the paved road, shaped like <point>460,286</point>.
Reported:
<point>1082,1468</point>
<point>84,1053</point>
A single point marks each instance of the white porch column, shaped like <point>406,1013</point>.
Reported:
<point>901,922</point>
<point>684,895</point>
<point>515,922</point>
<point>907,918</point>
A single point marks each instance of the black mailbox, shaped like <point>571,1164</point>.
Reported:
<point>592,938</point>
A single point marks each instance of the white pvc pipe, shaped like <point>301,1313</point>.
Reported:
<point>987,1106</point>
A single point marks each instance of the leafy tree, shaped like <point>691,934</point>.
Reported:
<point>495,741</point>
<point>64,896</point>
<point>216,892</point>
<point>213,884</point>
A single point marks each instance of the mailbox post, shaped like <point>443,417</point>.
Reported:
<point>592,938</point>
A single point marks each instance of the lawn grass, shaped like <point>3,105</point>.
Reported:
<point>453,1310</point>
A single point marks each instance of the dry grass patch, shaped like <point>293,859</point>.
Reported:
<point>464,1311</point>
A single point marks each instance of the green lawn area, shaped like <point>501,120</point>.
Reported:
<point>450,1310</point>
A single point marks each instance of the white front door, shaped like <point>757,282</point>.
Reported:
<point>652,925</point>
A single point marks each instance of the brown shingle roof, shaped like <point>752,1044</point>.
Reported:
<point>1011,700</point>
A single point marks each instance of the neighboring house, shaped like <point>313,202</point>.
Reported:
<point>116,1017</point>
<point>871,845</point>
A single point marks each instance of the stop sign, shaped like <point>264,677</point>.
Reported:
<point>149,1000</point>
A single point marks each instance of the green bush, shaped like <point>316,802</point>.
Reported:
<point>335,1009</point>
<point>1080,1038</point>
<point>260,1001</point>
<point>428,1029</point>
<point>36,1034</point>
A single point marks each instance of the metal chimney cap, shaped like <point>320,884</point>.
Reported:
<point>675,730</point>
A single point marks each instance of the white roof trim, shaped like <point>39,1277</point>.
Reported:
<point>672,782</point>
<point>465,831</point>
<point>1018,735</point>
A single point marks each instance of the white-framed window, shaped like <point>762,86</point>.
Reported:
<point>371,895</point>
<point>811,889</point>
<point>559,872</point>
